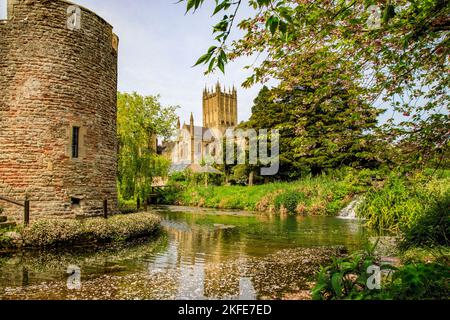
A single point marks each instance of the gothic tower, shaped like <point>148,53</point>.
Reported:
<point>192,134</point>
<point>219,108</point>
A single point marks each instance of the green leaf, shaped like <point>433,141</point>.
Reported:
<point>223,56</point>
<point>389,13</point>
<point>272,23</point>
<point>336,283</point>
<point>211,65</point>
<point>204,58</point>
<point>224,5</point>
<point>221,65</point>
<point>212,49</point>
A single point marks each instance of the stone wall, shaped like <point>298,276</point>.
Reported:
<point>220,108</point>
<point>51,79</point>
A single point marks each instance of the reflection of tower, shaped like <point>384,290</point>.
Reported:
<point>219,108</point>
<point>166,260</point>
<point>191,282</point>
<point>219,261</point>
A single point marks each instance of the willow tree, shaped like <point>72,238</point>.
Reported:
<point>139,120</point>
<point>400,48</point>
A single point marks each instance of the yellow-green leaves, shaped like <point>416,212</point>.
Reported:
<point>192,4</point>
<point>139,119</point>
<point>215,57</point>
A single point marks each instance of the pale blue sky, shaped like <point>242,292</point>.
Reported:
<point>159,44</point>
<point>2,9</point>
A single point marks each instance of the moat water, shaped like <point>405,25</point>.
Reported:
<point>202,254</point>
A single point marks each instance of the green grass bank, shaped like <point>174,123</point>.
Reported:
<point>322,195</point>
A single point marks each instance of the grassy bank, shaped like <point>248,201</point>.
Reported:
<point>416,207</point>
<point>402,201</point>
<point>323,195</point>
<point>59,232</point>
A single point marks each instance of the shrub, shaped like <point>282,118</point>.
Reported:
<point>421,281</point>
<point>127,206</point>
<point>50,233</point>
<point>289,200</point>
<point>5,242</point>
<point>172,193</point>
<point>324,195</point>
<point>346,278</point>
<point>178,177</point>
<point>432,228</point>
<point>401,201</point>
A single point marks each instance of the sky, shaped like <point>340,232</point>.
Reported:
<point>159,44</point>
<point>2,9</point>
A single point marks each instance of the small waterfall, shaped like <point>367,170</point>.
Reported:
<point>349,212</point>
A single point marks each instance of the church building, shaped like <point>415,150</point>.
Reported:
<point>192,142</point>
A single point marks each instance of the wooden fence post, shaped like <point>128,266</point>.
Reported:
<point>26,215</point>
<point>105,209</point>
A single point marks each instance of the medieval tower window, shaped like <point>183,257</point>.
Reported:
<point>75,141</point>
<point>3,9</point>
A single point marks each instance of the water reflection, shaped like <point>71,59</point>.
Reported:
<point>204,254</point>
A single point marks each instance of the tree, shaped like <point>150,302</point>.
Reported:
<point>139,120</point>
<point>324,123</point>
<point>268,112</point>
<point>399,49</point>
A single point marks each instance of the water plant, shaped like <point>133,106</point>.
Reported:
<point>402,200</point>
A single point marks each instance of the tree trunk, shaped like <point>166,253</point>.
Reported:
<point>250,178</point>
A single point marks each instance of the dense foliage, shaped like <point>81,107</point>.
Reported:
<point>320,127</point>
<point>432,228</point>
<point>348,278</point>
<point>321,195</point>
<point>402,201</point>
<point>139,120</point>
<point>397,51</point>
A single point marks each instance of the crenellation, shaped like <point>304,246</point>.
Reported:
<point>219,108</point>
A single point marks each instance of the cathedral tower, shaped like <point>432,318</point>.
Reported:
<point>219,108</point>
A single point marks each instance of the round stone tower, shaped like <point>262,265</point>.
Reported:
<point>58,84</point>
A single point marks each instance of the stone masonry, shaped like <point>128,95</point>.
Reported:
<point>54,78</point>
